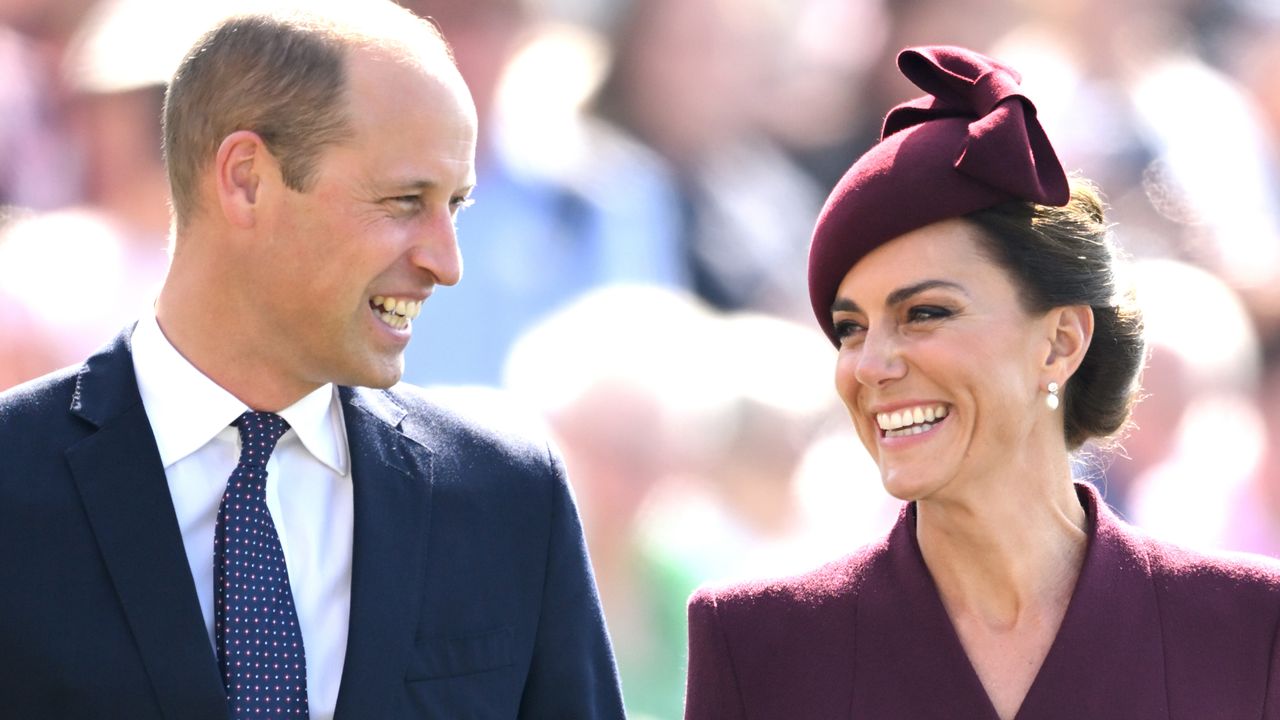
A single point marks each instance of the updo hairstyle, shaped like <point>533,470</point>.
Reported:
<point>1065,255</point>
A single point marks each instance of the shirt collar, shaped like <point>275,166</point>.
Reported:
<point>317,419</point>
<point>187,409</point>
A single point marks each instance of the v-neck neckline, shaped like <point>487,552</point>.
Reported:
<point>953,635</point>
<point>906,632</point>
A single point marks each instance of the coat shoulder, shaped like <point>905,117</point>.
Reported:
<point>781,647</point>
<point>1236,578</point>
<point>831,588</point>
<point>1219,614</point>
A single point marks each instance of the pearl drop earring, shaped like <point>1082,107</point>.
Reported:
<point>1052,398</point>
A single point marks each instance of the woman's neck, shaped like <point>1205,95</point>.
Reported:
<point>1008,553</point>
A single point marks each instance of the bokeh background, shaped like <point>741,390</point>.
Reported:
<point>648,177</point>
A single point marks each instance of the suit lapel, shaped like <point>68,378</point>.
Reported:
<point>1109,649</point>
<point>122,485</point>
<point>391,475</point>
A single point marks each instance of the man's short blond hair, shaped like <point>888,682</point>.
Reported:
<point>283,76</point>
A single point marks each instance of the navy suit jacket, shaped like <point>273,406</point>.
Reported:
<point>471,591</point>
<point>1151,632</point>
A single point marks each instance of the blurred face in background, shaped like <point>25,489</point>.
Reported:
<point>690,70</point>
<point>483,35</point>
<point>51,19</point>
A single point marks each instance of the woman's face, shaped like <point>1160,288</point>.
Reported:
<point>940,367</point>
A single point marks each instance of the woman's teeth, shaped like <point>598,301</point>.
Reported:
<point>910,421</point>
<point>395,312</point>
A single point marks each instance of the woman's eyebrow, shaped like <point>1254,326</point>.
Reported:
<point>901,294</point>
<point>844,304</point>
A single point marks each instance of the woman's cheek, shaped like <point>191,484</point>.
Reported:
<point>846,380</point>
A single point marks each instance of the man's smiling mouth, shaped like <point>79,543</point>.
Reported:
<point>395,312</point>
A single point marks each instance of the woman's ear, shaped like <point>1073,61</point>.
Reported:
<point>1070,331</point>
<point>238,172</point>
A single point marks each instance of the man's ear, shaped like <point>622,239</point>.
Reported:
<point>239,165</point>
<point>1070,330</point>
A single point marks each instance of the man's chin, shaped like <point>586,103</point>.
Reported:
<point>378,377</point>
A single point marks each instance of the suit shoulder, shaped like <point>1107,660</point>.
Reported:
<point>51,393</point>
<point>475,420</point>
<point>37,424</point>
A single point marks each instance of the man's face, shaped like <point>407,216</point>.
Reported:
<point>344,267</point>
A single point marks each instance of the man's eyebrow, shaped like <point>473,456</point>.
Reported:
<point>843,304</point>
<point>416,185</point>
<point>419,186</point>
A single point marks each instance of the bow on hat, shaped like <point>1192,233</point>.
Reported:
<point>965,84</point>
<point>973,143</point>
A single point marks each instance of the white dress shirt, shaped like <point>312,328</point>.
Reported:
<point>309,494</point>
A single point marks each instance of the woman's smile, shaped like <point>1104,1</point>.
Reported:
<point>910,420</point>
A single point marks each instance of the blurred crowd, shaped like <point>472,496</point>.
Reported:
<point>649,173</point>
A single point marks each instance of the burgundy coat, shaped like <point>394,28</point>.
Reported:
<point>1152,631</point>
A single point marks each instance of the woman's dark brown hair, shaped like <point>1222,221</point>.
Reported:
<point>1065,256</point>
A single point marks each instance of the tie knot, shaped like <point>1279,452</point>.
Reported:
<point>259,433</point>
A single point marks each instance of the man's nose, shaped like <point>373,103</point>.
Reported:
<point>436,250</point>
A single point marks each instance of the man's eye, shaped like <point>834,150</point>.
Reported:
<point>407,202</point>
<point>460,203</point>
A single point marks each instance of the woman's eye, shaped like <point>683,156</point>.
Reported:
<point>924,313</point>
<point>847,330</point>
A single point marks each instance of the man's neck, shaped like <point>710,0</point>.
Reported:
<point>212,336</point>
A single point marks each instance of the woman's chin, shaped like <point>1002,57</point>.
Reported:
<point>904,488</point>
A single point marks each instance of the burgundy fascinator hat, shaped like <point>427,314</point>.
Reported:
<point>972,143</point>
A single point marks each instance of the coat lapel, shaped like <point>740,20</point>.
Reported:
<point>910,663</point>
<point>391,476</point>
<point>1108,647</point>
<point>1108,654</point>
<point>122,485</point>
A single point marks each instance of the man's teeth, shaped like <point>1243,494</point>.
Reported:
<point>910,421</point>
<point>395,312</point>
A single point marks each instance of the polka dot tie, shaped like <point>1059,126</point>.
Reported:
<point>256,628</point>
